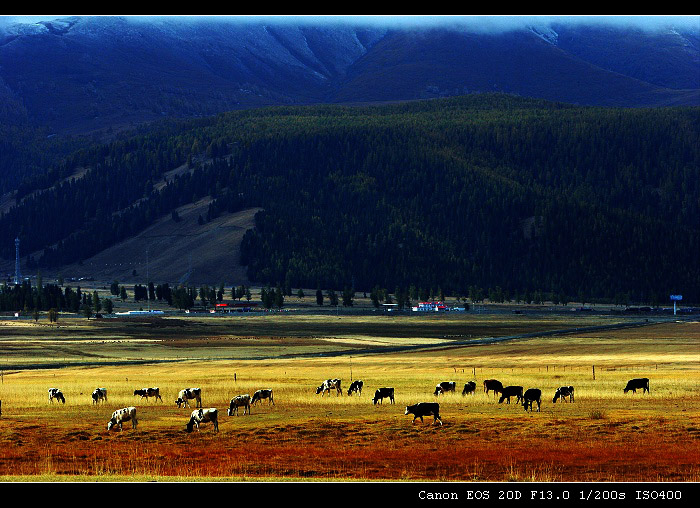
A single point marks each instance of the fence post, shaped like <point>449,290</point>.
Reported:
<point>594,373</point>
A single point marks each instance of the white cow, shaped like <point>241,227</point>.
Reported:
<point>123,415</point>
<point>100,394</point>
<point>202,416</point>
<point>55,393</point>
<point>238,401</point>
<point>188,394</point>
<point>328,385</point>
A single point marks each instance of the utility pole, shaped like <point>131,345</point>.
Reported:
<point>18,274</point>
<point>148,292</point>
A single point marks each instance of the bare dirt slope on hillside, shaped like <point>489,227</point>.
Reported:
<point>211,250</point>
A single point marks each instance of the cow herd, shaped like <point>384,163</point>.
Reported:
<point>200,415</point>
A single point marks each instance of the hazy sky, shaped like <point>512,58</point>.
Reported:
<point>476,23</point>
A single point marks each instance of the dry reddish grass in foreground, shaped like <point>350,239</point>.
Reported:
<point>514,446</point>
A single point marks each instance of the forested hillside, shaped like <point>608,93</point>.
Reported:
<point>482,190</point>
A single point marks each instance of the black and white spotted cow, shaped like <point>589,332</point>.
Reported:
<point>532,395</point>
<point>383,393</point>
<point>425,409</point>
<point>239,401</point>
<point>263,394</point>
<point>149,392</point>
<point>511,391</point>
<point>55,393</point>
<point>356,387</point>
<point>493,385</point>
<point>444,387</point>
<point>188,394</point>
<point>469,388</point>
<point>100,394</point>
<point>638,384</point>
<point>563,392</point>
<point>123,415</point>
<point>328,385</point>
<point>200,416</point>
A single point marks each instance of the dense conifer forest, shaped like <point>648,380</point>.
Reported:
<point>484,190</point>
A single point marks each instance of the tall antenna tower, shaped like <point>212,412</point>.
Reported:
<point>18,273</point>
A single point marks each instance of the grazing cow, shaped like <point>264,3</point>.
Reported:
<point>55,393</point>
<point>356,386</point>
<point>493,385</point>
<point>149,392</point>
<point>263,394</point>
<point>469,388</point>
<point>563,392</point>
<point>188,394</point>
<point>123,415</point>
<point>202,416</point>
<point>532,395</point>
<point>424,409</point>
<point>445,386</point>
<point>511,391</point>
<point>634,384</point>
<point>328,385</point>
<point>383,393</point>
<point>238,401</point>
<point>100,394</point>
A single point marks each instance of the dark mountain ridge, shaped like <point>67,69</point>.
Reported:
<point>485,190</point>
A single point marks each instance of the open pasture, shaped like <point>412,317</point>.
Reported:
<point>604,435</point>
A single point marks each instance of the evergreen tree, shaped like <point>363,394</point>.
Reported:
<point>348,296</point>
<point>96,302</point>
<point>332,297</point>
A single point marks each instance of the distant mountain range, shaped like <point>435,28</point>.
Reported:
<point>77,75</point>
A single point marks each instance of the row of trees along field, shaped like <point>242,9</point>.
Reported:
<point>487,190</point>
<point>28,298</point>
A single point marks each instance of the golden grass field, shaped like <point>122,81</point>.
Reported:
<point>604,435</point>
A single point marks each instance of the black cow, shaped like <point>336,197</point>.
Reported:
<point>263,394</point>
<point>532,395</point>
<point>493,385</point>
<point>445,386</point>
<point>383,393</point>
<point>511,391</point>
<point>634,384</point>
<point>424,409</point>
<point>149,392</point>
<point>469,388</point>
<point>100,394</point>
<point>55,393</point>
<point>356,386</point>
<point>563,392</point>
